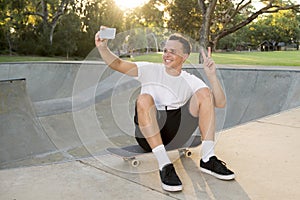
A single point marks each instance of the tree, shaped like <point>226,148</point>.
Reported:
<point>11,22</point>
<point>93,14</point>
<point>233,17</point>
<point>185,17</point>
<point>46,22</point>
<point>149,15</point>
<point>67,35</point>
<point>282,26</point>
<point>220,18</point>
<point>49,11</point>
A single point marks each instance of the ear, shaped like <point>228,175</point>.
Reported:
<point>185,56</point>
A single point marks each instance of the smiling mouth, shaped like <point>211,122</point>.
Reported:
<point>168,61</point>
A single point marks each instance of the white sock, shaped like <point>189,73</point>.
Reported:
<point>207,150</point>
<point>161,155</point>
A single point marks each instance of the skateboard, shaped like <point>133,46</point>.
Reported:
<point>129,153</point>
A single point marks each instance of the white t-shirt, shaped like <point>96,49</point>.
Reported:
<point>167,90</point>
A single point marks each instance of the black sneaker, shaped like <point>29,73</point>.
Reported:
<point>169,179</point>
<point>217,168</point>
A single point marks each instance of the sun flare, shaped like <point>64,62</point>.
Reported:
<point>130,4</point>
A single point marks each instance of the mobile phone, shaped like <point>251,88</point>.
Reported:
<point>107,33</point>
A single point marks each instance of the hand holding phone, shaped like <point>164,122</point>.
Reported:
<point>107,33</point>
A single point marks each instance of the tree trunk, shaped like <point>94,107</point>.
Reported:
<point>208,8</point>
<point>207,12</point>
<point>9,42</point>
<point>48,24</point>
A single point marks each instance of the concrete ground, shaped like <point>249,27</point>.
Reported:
<point>263,154</point>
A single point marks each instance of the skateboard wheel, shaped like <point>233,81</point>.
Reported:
<point>135,163</point>
<point>185,152</point>
<point>188,153</point>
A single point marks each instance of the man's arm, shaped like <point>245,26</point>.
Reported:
<point>210,71</point>
<point>112,60</point>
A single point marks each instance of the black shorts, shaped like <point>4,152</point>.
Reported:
<point>176,127</point>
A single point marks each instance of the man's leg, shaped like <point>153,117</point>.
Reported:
<point>148,125</point>
<point>202,106</point>
<point>147,120</point>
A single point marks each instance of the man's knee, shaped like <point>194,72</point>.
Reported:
<point>144,101</point>
<point>203,95</point>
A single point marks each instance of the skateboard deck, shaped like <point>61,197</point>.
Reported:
<point>129,153</point>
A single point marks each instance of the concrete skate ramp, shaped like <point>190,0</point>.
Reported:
<point>44,80</point>
<point>255,93</point>
<point>73,110</point>
<point>21,132</point>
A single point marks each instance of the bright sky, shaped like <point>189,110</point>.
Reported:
<point>128,4</point>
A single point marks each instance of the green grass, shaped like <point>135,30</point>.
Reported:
<point>275,58</point>
<point>29,58</point>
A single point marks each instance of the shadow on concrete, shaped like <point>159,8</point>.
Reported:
<point>205,186</point>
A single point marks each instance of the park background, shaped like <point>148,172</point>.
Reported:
<point>238,31</point>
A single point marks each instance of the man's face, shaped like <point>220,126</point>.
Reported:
<point>173,54</point>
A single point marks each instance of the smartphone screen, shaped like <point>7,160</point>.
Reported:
<point>108,33</point>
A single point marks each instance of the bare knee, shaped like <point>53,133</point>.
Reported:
<point>146,112</point>
<point>201,96</point>
<point>144,102</point>
<point>204,94</point>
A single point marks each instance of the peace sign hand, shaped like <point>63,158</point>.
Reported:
<point>208,64</point>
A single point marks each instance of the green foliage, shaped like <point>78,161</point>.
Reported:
<point>67,27</point>
<point>64,28</point>
<point>67,35</point>
<point>148,15</point>
<point>283,26</point>
<point>185,18</point>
